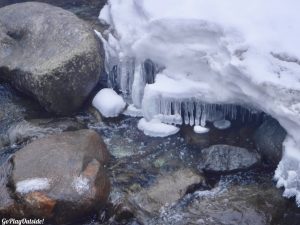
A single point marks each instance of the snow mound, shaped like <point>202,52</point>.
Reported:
<point>173,58</point>
<point>109,103</point>
<point>155,128</point>
<point>200,129</point>
<point>34,184</point>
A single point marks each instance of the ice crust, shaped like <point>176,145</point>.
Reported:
<point>174,59</point>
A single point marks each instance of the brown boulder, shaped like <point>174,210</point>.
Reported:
<point>60,178</point>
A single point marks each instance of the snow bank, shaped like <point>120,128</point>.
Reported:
<point>209,51</point>
<point>109,103</point>
<point>34,184</point>
<point>155,128</point>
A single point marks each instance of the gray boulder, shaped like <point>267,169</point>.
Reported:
<point>225,158</point>
<point>50,54</point>
<point>60,178</point>
<point>268,139</point>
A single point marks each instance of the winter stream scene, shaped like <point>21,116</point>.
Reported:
<point>150,112</point>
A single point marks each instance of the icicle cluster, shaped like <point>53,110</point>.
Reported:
<point>194,112</point>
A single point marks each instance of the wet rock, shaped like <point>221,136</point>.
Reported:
<point>58,68</point>
<point>168,189</point>
<point>225,158</point>
<point>268,139</point>
<point>60,178</point>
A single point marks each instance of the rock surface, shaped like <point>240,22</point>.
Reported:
<point>50,55</point>
<point>268,139</point>
<point>59,178</point>
<point>240,204</point>
<point>225,158</point>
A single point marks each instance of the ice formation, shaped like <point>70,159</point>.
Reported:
<point>200,129</point>
<point>109,103</point>
<point>155,128</point>
<point>184,61</point>
<point>33,184</point>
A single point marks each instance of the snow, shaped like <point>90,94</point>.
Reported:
<point>109,103</point>
<point>33,184</point>
<point>222,124</point>
<point>209,52</point>
<point>155,128</point>
<point>200,129</point>
<point>132,111</point>
<point>81,184</point>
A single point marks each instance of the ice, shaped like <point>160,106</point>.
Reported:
<point>132,111</point>
<point>104,15</point>
<point>222,124</point>
<point>33,184</point>
<point>155,128</point>
<point>200,129</point>
<point>81,184</point>
<point>208,57</point>
<point>288,170</point>
<point>109,103</point>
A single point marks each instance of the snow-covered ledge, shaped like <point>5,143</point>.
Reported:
<point>220,52</point>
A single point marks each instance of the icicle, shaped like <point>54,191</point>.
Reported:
<point>191,112</point>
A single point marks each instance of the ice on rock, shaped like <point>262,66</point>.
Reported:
<point>108,102</point>
<point>200,129</point>
<point>33,184</point>
<point>222,124</point>
<point>155,128</point>
<point>205,61</point>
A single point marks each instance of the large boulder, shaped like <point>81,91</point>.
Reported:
<point>50,54</point>
<point>225,158</point>
<point>60,178</point>
<point>268,139</point>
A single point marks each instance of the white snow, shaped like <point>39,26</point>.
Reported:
<point>33,184</point>
<point>109,103</point>
<point>81,184</point>
<point>155,128</point>
<point>222,124</point>
<point>200,129</point>
<point>210,51</point>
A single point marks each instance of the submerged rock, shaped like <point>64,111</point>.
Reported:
<point>168,189</point>
<point>268,139</point>
<point>225,158</point>
<point>50,55</point>
<point>60,177</point>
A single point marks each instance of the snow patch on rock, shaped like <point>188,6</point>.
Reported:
<point>33,184</point>
<point>81,184</point>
